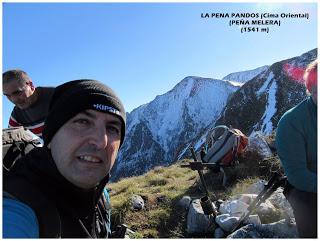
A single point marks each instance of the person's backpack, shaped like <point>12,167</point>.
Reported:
<point>224,144</point>
<point>17,142</point>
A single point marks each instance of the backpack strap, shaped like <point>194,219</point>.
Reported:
<point>15,151</point>
<point>103,213</point>
<point>11,156</point>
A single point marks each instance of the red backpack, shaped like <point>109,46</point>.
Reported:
<point>223,145</point>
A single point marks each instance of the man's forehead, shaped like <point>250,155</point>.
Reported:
<point>14,82</point>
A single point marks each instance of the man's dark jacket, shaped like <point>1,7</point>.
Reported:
<point>62,209</point>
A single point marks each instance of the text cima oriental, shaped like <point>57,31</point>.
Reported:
<point>257,18</point>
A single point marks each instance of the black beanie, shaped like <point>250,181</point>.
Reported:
<point>75,96</point>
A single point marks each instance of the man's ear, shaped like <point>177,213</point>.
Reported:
<point>49,146</point>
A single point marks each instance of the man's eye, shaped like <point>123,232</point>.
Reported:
<point>114,130</point>
<point>16,93</point>
<point>81,121</point>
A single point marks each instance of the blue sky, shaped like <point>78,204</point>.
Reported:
<point>144,49</point>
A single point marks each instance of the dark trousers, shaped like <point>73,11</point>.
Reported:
<point>304,205</point>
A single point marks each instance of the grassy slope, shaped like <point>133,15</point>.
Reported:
<point>163,187</point>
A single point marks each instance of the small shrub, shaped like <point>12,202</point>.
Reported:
<point>158,182</point>
<point>136,235</point>
<point>158,169</point>
<point>242,186</point>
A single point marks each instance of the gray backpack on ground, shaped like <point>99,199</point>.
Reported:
<point>17,142</point>
<point>223,145</point>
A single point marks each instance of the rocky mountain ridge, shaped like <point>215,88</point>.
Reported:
<point>259,104</point>
<point>244,76</point>
<point>157,131</point>
<point>160,132</point>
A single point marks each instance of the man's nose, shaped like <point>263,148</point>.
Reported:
<point>99,138</point>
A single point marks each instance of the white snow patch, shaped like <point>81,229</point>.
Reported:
<point>271,110</point>
<point>265,85</point>
<point>183,151</point>
<point>234,83</point>
<point>200,141</point>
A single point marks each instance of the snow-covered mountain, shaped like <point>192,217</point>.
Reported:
<point>259,104</point>
<point>244,76</point>
<point>160,132</point>
<point>157,131</point>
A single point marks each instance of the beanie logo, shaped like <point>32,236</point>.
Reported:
<point>106,108</point>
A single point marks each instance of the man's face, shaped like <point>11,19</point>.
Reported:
<point>312,81</point>
<point>314,94</point>
<point>84,149</point>
<point>19,93</point>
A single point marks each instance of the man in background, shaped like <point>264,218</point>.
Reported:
<point>31,103</point>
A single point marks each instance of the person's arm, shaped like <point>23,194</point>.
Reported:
<point>19,220</point>
<point>13,122</point>
<point>291,149</point>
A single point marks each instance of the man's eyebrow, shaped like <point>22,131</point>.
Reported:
<point>14,92</point>
<point>115,122</point>
<point>89,114</point>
